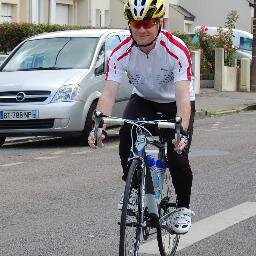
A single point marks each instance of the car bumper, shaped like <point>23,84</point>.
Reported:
<point>54,119</point>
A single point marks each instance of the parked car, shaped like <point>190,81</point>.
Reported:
<point>50,83</point>
<point>2,58</point>
<point>242,40</point>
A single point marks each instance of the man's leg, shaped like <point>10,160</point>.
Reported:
<point>180,167</point>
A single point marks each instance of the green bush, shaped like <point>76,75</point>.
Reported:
<point>186,39</point>
<point>11,34</point>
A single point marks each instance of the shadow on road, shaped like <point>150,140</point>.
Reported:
<point>50,142</point>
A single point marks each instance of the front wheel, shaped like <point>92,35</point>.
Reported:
<point>167,240</point>
<point>132,211</point>
<point>89,124</point>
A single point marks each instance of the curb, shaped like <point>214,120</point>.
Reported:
<point>200,114</point>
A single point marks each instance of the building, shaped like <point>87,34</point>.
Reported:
<point>213,13</point>
<point>70,12</point>
<point>181,15</point>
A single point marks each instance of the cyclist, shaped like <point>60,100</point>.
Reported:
<point>158,65</point>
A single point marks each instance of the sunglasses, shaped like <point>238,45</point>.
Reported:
<point>146,24</point>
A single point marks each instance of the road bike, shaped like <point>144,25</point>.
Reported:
<point>146,217</point>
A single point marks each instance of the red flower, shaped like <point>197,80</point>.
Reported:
<point>203,28</point>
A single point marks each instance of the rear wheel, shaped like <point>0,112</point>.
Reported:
<point>167,240</point>
<point>132,214</point>
<point>2,140</point>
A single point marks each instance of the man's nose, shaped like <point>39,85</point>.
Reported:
<point>141,29</point>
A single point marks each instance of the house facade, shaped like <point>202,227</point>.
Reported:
<point>213,13</point>
<point>181,15</point>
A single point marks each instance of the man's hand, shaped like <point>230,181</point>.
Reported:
<point>181,145</point>
<point>101,135</point>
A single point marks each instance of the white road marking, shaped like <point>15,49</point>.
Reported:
<point>208,226</point>
<point>58,152</point>
<point>46,157</point>
<point>11,164</point>
<point>81,152</point>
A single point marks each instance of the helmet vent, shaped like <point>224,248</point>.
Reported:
<point>135,12</point>
<point>141,12</point>
<point>154,2</point>
<point>135,3</point>
<point>143,2</point>
<point>160,9</point>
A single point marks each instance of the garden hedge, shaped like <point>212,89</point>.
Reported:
<point>11,34</point>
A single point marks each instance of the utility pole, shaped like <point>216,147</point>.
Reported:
<point>253,67</point>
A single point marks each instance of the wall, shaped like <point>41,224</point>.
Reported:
<point>213,13</point>
<point>98,12</point>
<point>83,13</point>
<point>175,21</point>
<point>117,19</point>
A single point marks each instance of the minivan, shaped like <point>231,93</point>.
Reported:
<point>50,83</point>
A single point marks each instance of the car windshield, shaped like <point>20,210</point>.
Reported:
<point>52,54</point>
<point>245,44</point>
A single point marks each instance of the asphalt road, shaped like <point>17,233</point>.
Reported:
<point>60,199</point>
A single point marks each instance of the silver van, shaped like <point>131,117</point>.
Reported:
<point>50,83</point>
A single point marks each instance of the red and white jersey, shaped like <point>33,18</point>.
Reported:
<point>153,75</point>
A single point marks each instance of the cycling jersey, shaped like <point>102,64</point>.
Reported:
<point>153,75</point>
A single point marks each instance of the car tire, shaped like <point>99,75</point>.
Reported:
<point>83,139</point>
<point>2,140</point>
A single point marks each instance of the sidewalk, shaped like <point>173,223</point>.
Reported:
<point>212,102</point>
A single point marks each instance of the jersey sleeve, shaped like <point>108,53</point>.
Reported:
<point>115,70</point>
<point>182,70</point>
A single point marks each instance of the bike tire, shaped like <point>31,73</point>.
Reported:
<point>167,241</point>
<point>130,225</point>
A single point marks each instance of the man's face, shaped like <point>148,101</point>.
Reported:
<point>144,32</point>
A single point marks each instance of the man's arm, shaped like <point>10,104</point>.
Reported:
<point>183,111</point>
<point>105,105</point>
<point>183,102</point>
<point>107,99</point>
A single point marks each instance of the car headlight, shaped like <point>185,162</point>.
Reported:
<point>66,93</point>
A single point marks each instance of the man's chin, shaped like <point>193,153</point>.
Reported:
<point>143,42</point>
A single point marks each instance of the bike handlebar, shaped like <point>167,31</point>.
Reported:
<point>165,124</point>
<point>174,124</point>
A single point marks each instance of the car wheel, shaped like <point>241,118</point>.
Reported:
<point>83,140</point>
<point>2,140</point>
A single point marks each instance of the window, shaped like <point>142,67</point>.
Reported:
<point>245,44</point>
<point>6,15</point>
<point>100,62</point>
<point>112,43</point>
<point>53,53</point>
<point>62,14</point>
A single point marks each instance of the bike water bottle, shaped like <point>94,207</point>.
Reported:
<point>150,197</point>
<point>161,171</point>
<point>154,173</point>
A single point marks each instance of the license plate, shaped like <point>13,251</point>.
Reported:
<point>19,115</point>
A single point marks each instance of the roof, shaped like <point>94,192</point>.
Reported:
<point>251,3</point>
<point>79,33</point>
<point>187,15</point>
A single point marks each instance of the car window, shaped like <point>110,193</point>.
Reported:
<point>100,62</point>
<point>53,53</point>
<point>245,44</point>
<point>122,36</point>
<point>111,44</point>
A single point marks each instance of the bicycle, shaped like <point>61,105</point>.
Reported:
<point>148,216</point>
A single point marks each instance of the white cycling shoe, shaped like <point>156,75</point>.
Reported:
<point>180,220</point>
